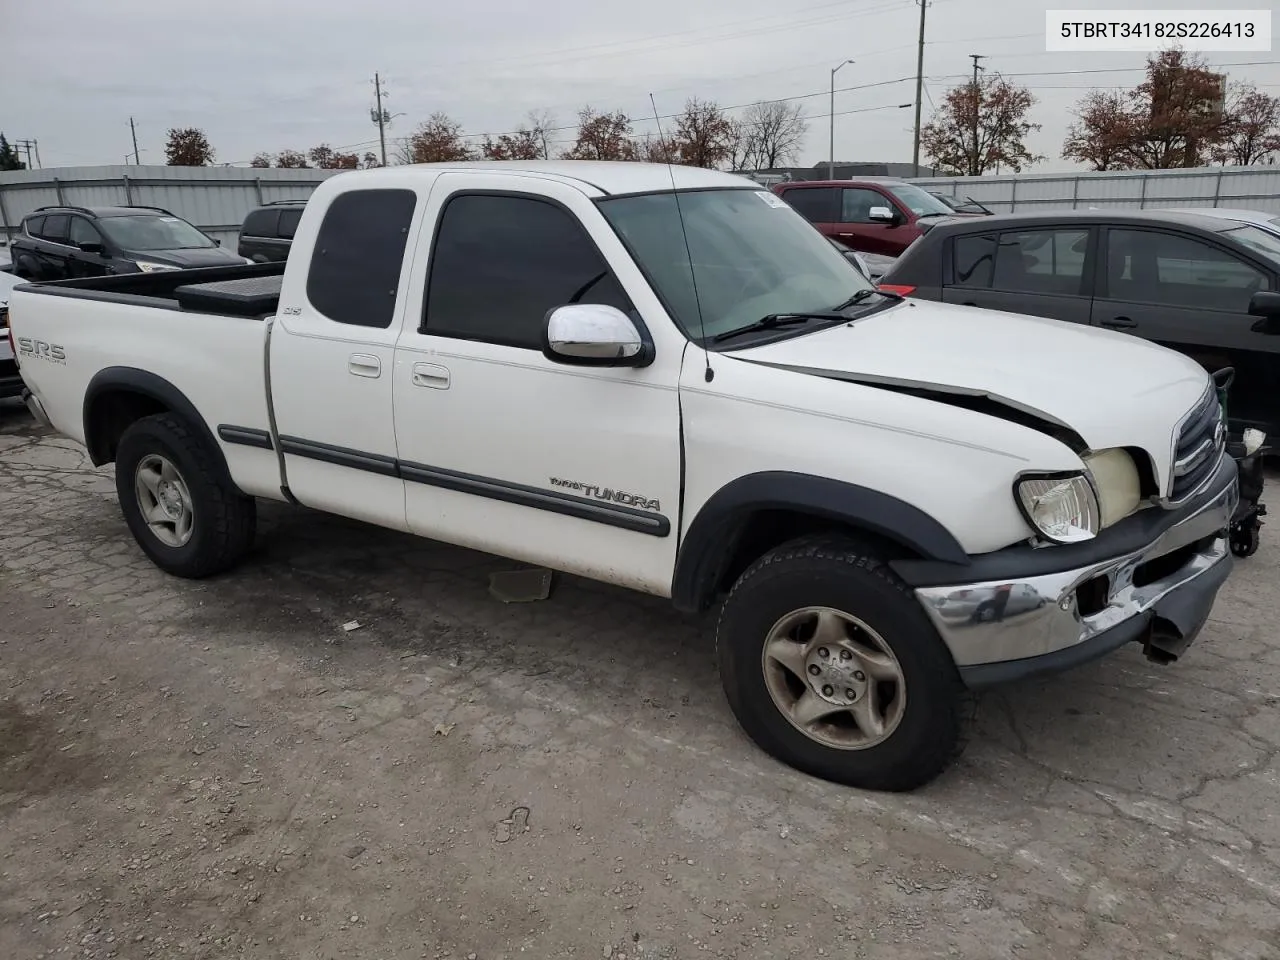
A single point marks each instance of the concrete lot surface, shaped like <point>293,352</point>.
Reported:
<point>219,769</point>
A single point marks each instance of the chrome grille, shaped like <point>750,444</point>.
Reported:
<point>1201,440</point>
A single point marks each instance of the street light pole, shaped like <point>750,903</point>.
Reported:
<point>831,157</point>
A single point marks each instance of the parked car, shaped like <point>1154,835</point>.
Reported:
<point>10,380</point>
<point>59,243</point>
<point>691,396</point>
<point>967,205</point>
<point>872,215</point>
<point>870,265</point>
<point>1269,222</point>
<point>268,231</point>
<point>1202,285</point>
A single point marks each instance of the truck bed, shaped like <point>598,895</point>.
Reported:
<point>249,290</point>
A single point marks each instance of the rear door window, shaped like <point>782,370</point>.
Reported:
<point>55,228</point>
<point>354,273</point>
<point>260,223</point>
<point>1041,261</point>
<point>288,224</point>
<point>34,226</point>
<point>1147,266</point>
<point>973,261</point>
<point>815,204</point>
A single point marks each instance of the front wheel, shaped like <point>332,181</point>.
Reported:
<point>831,666</point>
<point>188,520</point>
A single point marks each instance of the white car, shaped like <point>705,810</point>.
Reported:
<point>666,379</point>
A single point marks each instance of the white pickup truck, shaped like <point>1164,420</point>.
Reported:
<point>667,379</point>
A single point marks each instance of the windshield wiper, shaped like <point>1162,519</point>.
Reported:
<point>774,320</point>
<point>863,295</point>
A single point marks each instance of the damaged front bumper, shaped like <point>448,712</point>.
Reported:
<point>1151,578</point>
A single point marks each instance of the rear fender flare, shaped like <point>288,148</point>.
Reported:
<point>132,380</point>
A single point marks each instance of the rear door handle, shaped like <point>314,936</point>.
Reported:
<point>364,365</point>
<point>431,375</point>
<point>1120,323</point>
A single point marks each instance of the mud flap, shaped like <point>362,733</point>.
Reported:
<point>1181,614</point>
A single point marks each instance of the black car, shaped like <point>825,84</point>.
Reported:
<point>1204,286</point>
<point>268,231</point>
<point>61,243</point>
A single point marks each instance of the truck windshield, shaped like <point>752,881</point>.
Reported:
<point>749,254</point>
<point>920,202</point>
<point>153,232</point>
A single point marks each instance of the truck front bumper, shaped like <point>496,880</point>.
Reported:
<point>1151,578</point>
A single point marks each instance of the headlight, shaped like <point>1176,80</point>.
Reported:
<point>1115,478</point>
<point>1062,507</point>
<point>146,266</point>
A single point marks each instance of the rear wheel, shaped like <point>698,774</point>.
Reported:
<point>830,665</point>
<point>185,516</point>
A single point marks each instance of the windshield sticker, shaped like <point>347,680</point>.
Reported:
<point>772,199</point>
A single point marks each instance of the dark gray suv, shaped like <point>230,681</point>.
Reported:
<point>268,231</point>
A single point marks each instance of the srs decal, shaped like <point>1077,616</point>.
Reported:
<point>606,493</point>
<point>29,349</point>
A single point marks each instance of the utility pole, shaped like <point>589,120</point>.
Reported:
<point>36,144</point>
<point>134,131</point>
<point>25,145</point>
<point>380,116</point>
<point>915,145</point>
<point>831,157</point>
<point>977,106</point>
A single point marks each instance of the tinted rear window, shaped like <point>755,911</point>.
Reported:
<point>816,204</point>
<point>260,223</point>
<point>355,266</point>
<point>973,260</point>
<point>55,227</point>
<point>288,224</point>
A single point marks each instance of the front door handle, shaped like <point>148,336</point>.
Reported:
<point>364,365</point>
<point>1120,323</point>
<point>431,375</point>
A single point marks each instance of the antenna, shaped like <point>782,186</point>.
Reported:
<point>708,374</point>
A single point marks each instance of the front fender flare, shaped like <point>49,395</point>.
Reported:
<point>710,539</point>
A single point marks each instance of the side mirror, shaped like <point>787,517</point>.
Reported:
<point>882,215</point>
<point>1265,304</point>
<point>595,335</point>
<point>91,246</point>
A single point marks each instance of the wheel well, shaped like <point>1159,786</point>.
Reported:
<point>764,530</point>
<point>110,415</point>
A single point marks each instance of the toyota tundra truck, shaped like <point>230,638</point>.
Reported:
<point>664,378</point>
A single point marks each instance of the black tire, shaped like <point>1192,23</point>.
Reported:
<point>224,520</point>
<point>837,572</point>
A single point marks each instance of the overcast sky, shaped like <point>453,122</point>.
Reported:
<point>265,75</point>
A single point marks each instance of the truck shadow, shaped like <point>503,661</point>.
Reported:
<point>1121,722</point>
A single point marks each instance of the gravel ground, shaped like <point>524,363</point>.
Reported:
<point>219,769</point>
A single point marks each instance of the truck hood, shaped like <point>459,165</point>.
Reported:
<point>1107,389</point>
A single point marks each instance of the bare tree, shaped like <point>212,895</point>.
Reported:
<point>602,136</point>
<point>260,160</point>
<point>291,160</point>
<point>1102,132</point>
<point>775,131</point>
<point>654,148</point>
<point>438,140</point>
<point>704,135</point>
<point>743,149</point>
<point>1252,132</point>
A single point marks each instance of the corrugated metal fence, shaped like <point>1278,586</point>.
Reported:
<point>1248,188</point>
<point>215,199</point>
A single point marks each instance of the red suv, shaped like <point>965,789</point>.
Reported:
<point>871,214</point>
